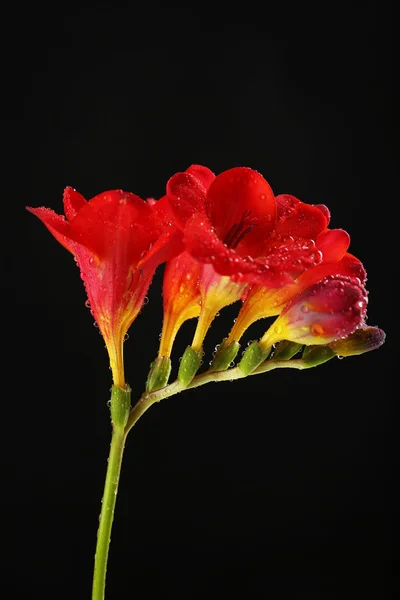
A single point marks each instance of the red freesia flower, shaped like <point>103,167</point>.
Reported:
<point>238,226</point>
<point>118,240</point>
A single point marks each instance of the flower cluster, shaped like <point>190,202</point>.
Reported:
<point>224,239</point>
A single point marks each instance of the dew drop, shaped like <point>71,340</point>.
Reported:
<point>87,304</point>
<point>126,337</point>
<point>316,329</point>
<point>145,300</point>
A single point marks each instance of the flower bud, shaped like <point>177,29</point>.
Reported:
<point>324,312</point>
<point>360,341</point>
<point>190,363</point>
<point>159,373</point>
<point>225,354</point>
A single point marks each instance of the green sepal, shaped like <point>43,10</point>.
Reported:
<point>160,370</point>
<point>253,356</point>
<point>285,350</point>
<point>190,363</point>
<point>316,355</point>
<point>224,356</point>
<point>120,405</point>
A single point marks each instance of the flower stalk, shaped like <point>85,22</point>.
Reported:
<point>120,405</point>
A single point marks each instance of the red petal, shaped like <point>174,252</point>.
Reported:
<point>348,266</point>
<point>114,216</point>
<point>186,195</point>
<point>57,225</point>
<point>325,211</point>
<point>333,244</point>
<point>73,202</point>
<point>204,245</point>
<point>235,192</point>
<point>276,269</point>
<point>297,219</point>
<point>201,173</point>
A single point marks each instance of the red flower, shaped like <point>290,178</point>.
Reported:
<point>237,225</point>
<point>118,240</point>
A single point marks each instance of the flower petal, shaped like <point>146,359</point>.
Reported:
<point>73,202</point>
<point>57,225</point>
<point>114,216</point>
<point>186,195</point>
<point>333,243</point>
<point>203,174</point>
<point>297,219</point>
<point>240,191</point>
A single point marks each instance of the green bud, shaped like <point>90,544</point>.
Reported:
<point>224,356</point>
<point>120,405</point>
<point>159,373</point>
<point>190,363</point>
<point>252,358</point>
<point>285,350</point>
<point>317,355</point>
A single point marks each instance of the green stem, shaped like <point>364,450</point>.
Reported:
<point>120,404</point>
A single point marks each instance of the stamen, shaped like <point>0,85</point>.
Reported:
<point>238,231</point>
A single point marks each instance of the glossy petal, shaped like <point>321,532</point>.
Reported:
<point>73,202</point>
<point>57,225</point>
<point>236,192</point>
<point>186,195</point>
<point>203,174</point>
<point>111,216</point>
<point>333,243</point>
<point>297,219</point>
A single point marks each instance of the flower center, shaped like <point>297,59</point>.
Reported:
<point>239,230</point>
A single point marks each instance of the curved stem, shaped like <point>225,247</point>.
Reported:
<point>229,375</point>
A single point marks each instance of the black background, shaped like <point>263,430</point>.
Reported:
<point>273,487</point>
